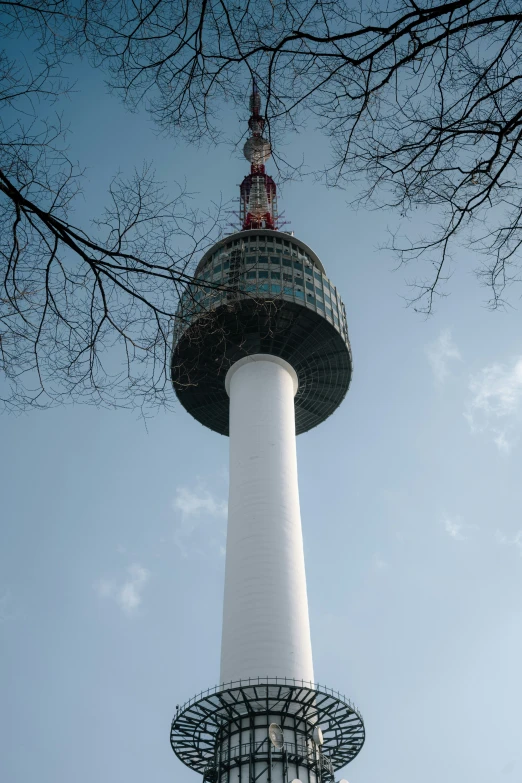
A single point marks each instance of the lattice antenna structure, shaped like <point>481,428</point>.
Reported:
<point>261,354</point>
<point>258,192</point>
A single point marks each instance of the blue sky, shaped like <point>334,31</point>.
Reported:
<point>111,556</point>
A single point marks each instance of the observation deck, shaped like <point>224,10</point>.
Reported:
<point>263,292</point>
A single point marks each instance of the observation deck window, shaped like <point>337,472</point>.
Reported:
<point>217,268</point>
<point>263,273</point>
<point>263,259</point>
<point>275,275</point>
<point>279,241</point>
<point>250,259</point>
<point>275,260</point>
<point>287,277</point>
<point>226,264</point>
<point>297,265</point>
<point>287,262</point>
<point>251,275</point>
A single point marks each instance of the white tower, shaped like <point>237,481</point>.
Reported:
<point>265,617</point>
<point>261,353</point>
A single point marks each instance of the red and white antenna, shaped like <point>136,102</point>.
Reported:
<point>258,199</point>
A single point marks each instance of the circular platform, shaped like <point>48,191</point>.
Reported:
<point>207,349</point>
<point>198,725</point>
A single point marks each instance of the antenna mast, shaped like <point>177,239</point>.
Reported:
<point>258,199</point>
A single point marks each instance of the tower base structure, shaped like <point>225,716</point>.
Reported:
<point>267,730</point>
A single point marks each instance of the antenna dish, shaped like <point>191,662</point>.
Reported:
<point>257,150</point>
<point>296,780</point>
<point>318,736</point>
<point>276,735</point>
<point>343,781</point>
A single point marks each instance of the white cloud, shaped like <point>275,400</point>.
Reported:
<point>378,563</point>
<point>516,541</point>
<point>496,403</point>
<point>454,527</point>
<point>128,593</point>
<point>200,522</point>
<point>193,504</point>
<point>440,353</point>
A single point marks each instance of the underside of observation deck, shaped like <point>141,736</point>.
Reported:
<point>214,342</point>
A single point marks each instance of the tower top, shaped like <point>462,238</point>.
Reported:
<point>258,192</point>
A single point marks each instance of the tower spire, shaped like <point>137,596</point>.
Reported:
<point>258,192</point>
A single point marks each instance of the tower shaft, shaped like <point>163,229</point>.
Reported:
<point>266,631</point>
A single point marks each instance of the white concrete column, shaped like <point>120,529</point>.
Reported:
<point>266,629</point>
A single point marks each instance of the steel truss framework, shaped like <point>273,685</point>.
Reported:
<point>208,732</point>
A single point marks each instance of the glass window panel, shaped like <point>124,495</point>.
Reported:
<point>329,313</point>
<point>287,262</point>
<point>275,275</point>
<point>263,259</point>
<point>262,273</point>
<point>275,260</point>
<point>320,305</point>
<point>226,264</point>
<point>299,294</point>
<point>251,275</point>
<point>299,266</point>
<point>251,259</point>
<point>263,287</point>
<point>217,268</point>
<point>318,276</point>
<point>275,288</point>
<point>287,277</point>
<point>310,285</point>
